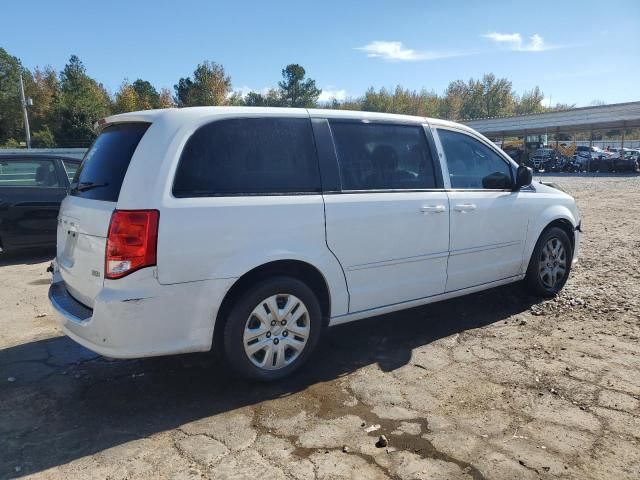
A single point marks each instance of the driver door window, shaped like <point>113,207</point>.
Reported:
<point>472,164</point>
<point>488,219</point>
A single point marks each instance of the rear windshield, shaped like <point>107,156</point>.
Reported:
<point>104,166</point>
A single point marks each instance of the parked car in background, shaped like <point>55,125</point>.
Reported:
<point>546,159</point>
<point>626,161</point>
<point>614,152</point>
<point>251,230</point>
<point>593,159</point>
<point>31,189</point>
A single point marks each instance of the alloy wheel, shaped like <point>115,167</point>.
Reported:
<point>552,267</point>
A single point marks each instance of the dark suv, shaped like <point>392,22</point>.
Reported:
<point>31,189</point>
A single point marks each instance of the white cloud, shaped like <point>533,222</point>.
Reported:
<point>329,94</point>
<point>396,51</point>
<point>244,90</point>
<point>514,41</point>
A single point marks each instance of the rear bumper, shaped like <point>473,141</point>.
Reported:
<point>150,320</point>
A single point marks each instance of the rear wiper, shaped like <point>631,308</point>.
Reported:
<point>83,186</point>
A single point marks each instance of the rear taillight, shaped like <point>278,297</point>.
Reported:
<point>131,242</point>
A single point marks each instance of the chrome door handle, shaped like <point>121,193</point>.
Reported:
<point>433,209</point>
<point>465,207</point>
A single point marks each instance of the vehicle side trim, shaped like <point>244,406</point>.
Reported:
<point>482,248</point>
<point>398,261</point>
<point>350,317</point>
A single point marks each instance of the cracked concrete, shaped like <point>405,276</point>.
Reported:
<point>498,385</point>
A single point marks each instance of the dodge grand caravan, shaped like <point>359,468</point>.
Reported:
<point>250,230</point>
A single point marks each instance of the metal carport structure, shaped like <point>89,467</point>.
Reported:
<point>614,116</point>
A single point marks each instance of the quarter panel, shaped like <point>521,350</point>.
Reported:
<point>225,237</point>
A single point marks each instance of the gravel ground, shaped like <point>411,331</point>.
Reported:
<point>496,385</point>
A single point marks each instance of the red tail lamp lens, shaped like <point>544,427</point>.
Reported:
<point>131,242</point>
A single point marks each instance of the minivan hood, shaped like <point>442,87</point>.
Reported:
<point>548,187</point>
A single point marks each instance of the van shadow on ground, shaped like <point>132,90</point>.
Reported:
<point>27,256</point>
<point>66,402</point>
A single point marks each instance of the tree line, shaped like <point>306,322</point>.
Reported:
<point>67,104</point>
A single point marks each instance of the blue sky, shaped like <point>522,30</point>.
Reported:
<point>576,51</point>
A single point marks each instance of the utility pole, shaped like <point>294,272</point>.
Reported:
<point>24,104</point>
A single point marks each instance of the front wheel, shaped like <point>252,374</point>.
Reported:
<point>272,329</point>
<point>550,263</point>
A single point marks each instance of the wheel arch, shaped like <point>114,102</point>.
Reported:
<point>566,226</point>
<point>301,270</point>
<point>556,216</point>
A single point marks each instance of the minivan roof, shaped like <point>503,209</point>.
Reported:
<point>196,114</point>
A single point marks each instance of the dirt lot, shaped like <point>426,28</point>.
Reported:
<point>496,385</point>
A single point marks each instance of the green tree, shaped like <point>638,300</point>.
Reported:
<point>148,96</point>
<point>402,100</point>
<point>210,86</point>
<point>126,99</point>
<point>82,102</point>
<point>11,123</point>
<point>451,106</point>
<point>485,97</point>
<point>43,88</point>
<point>530,102</point>
<point>139,95</point>
<point>295,91</point>
<point>270,99</point>
<point>498,96</point>
<point>43,138</point>
<point>165,99</point>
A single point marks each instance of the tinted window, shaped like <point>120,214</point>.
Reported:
<point>70,167</point>
<point>472,164</point>
<point>249,156</point>
<point>28,173</point>
<point>103,168</point>
<point>382,157</point>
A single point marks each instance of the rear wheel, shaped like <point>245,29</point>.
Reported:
<point>550,263</point>
<point>272,329</point>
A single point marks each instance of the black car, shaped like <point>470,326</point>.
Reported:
<point>31,189</point>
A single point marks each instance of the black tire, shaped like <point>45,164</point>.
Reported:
<point>533,279</point>
<point>233,336</point>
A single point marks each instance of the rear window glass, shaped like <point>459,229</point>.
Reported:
<point>104,166</point>
<point>249,156</point>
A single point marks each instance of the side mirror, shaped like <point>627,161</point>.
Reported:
<point>524,177</point>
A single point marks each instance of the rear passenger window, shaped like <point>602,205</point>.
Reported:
<point>249,156</point>
<point>472,164</point>
<point>28,173</point>
<point>382,156</point>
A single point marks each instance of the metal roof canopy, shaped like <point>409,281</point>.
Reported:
<point>617,115</point>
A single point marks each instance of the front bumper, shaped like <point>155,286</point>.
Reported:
<point>143,320</point>
<point>577,233</point>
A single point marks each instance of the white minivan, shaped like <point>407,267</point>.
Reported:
<point>250,230</point>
